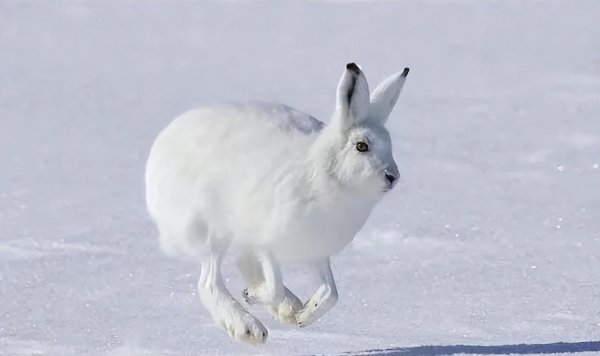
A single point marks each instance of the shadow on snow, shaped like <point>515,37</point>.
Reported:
<point>521,349</point>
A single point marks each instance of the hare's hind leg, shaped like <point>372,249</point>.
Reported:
<point>265,286</point>
<point>224,309</point>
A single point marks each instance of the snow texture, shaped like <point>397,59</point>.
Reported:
<point>491,238</point>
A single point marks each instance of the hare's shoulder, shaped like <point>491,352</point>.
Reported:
<point>285,118</point>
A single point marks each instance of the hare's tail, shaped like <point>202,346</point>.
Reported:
<point>182,236</point>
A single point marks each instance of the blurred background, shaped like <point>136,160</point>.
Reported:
<point>492,237</point>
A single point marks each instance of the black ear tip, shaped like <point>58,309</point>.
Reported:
<point>405,72</point>
<point>353,67</point>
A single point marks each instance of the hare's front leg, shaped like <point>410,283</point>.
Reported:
<point>322,300</point>
<point>265,286</point>
<point>268,289</point>
<point>224,309</point>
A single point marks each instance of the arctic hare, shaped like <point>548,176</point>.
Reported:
<point>279,184</point>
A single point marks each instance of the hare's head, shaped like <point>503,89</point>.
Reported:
<point>358,146</point>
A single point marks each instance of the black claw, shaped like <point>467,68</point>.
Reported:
<point>264,334</point>
<point>248,332</point>
<point>316,304</point>
<point>245,292</point>
<point>405,72</point>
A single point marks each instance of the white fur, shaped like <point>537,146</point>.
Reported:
<point>277,182</point>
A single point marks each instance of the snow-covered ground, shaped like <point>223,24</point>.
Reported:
<point>493,237</point>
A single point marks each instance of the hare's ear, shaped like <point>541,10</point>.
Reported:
<point>352,97</point>
<point>384,97</point>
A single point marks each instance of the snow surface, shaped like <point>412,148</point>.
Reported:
<point>493,237</point>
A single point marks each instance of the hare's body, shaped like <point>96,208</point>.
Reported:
<point>243,172</point>
<point>279,184</point>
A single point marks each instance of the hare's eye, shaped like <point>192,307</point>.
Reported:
<point>362,147</point>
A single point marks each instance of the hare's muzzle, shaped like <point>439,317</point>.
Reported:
<point>391,179</point>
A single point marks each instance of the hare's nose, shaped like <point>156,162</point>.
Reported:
<point>391,178</point>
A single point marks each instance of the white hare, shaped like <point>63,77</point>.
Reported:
<point>277,183</point>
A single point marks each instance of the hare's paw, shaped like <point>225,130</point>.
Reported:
<point>241,325</point>
<point>324,299</point>
<point>306,316</point>
<point>249,296</point>
<point>286,311</point>
<point>260,293</point>
<point>248,329</point>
